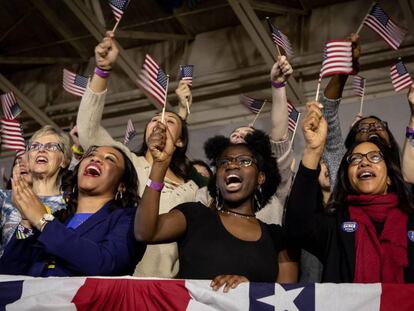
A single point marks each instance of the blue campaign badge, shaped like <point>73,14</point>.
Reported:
<point>349,226</point>
<point>410,235</point>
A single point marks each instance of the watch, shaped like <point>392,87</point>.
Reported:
<point>42,222</point>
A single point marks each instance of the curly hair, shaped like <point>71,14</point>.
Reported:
<point>180,164</point>
<point>69,188</point>
<point>337,200</point>
<point>393,145</point>
<point>259,145</point>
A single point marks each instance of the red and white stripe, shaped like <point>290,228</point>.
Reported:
<point>338,59</point>
<point>12,135</point>
<point>7,101</point>
<point>400,82</point>
<point>69,83</point>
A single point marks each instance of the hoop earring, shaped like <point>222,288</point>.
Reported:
<point>219,205</point>
<point>258,197</point>
<point>118,195</point>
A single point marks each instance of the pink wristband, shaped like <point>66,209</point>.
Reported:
<point>157,186</point>
<point>102,73</point>
<point>278,85</point>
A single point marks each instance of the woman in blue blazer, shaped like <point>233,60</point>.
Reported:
<point>93,236</point>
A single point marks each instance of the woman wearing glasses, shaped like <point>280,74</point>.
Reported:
<point>48,155</point>
<point>365,233</point>
<point>224,242</point>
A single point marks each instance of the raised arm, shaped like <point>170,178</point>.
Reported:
<point>408,150</point>
<point>149,226</point>
<point>185,99</point>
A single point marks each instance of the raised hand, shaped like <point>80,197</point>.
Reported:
<point>229,282</point>
<point>184,93</point>
<point>106,52</point>
<point>281,70</point>
<point>160,144</point>
<point>315,127</point>
<point>356,51</point>
<point>28,204</point>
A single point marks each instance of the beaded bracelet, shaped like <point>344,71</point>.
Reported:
<point>102,72</point>
<point>157,186</point>
<point>278,85</point>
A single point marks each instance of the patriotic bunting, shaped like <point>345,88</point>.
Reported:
<point>12,135</point>
<point>379,21</point>
<point>130,132</point>
<point>186,73</point>
<point>10,107</point>
<point>337,58</point>
<point>154,81</point>
<point>118,8</point>
<point>400,77</point>
<point>280,39</point>
<point>74,83</point>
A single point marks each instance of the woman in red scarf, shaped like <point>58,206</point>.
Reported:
<point>366,234</point>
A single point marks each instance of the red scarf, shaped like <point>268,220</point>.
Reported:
<point>383,258</point>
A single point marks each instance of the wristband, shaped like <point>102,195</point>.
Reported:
<point>77,150</point>
<point>278,85</point>
<point>157,186</point>
<point>409,132</point>
<point>102,73</point>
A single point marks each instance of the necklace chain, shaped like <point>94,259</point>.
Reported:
<point>245,216</point>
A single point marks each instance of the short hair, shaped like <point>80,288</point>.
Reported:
<point>259,145</point>
<point>203,164</point>
<point>63,137</point>
<point>337,200</point>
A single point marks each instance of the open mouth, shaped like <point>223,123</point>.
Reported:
<point>373,135</point>
<point>41,160</point>
<point>92,170</point>
<point>365,175</point>
<point>233,182</point>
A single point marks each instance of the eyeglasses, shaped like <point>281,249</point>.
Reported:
<point>372,156</point>
<point>377,126</point>
<point>241,161</point>
<point>52,147</point>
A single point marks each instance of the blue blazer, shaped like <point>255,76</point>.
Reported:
<point>103,245</point>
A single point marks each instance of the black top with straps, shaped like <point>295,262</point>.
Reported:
<point>208,249</point>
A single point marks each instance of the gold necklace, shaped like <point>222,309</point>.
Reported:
<point>245,216</point>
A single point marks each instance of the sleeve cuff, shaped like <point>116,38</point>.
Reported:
<point>309,173</point>
<point>280,148</point>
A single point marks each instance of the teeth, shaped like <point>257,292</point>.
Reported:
<point>93,170</point>
<point>41,159</point>
<point>232,179</point>
<point>365,174</point>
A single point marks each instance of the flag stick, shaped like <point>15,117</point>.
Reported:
<point>318,89</point>
<point>116,26</point>
<point>362,104</point>
<point>165,102</point>
<point>362,23</point>
<point>257,115</point>
<point>294,132</point>
<point>186,103</point>
<point>270,28</point>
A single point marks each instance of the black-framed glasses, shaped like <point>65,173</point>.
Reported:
<point>241,161</point>
<point>52,147</point>
<point>372,156</point>
<point>377,125</point>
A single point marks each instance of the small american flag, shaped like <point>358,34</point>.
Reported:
<point>254,105</point>
<point>74,83</point>
<point>130,132</point>
<point>12,135</point>
<point>118,8</point>
<point>400,77</point>
<point>10,107</point>
<point>293,117</point>
<point>154,81</point>
<point>381,23</point>
<point>186,73</point>
<point>281,39</point>
<point>337,58</point>
<point>358,84</point>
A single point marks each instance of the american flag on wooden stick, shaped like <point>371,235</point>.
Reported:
<point>337,58</point>
<point>154,81</point>
<point>186,73</point>
<point>379,21</point>
<point>130,132</point>
<point>358,84</point>
<point>400,77</point>
<point>10,106</point>
<point>118,8</point>
<point>74,83</point>
<point>12,135</point>
<point>280,39</point>
<point>254,105</point>
<point>293,117</point>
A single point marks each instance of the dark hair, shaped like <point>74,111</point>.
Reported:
<point>203,164</point>
<point>259,145</point>
<point>337,200</point>
<point>180,165</point>
<point>350,138</point>
<point>69,188</point>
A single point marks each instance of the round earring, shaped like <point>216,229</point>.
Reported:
<point>118,195</point>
